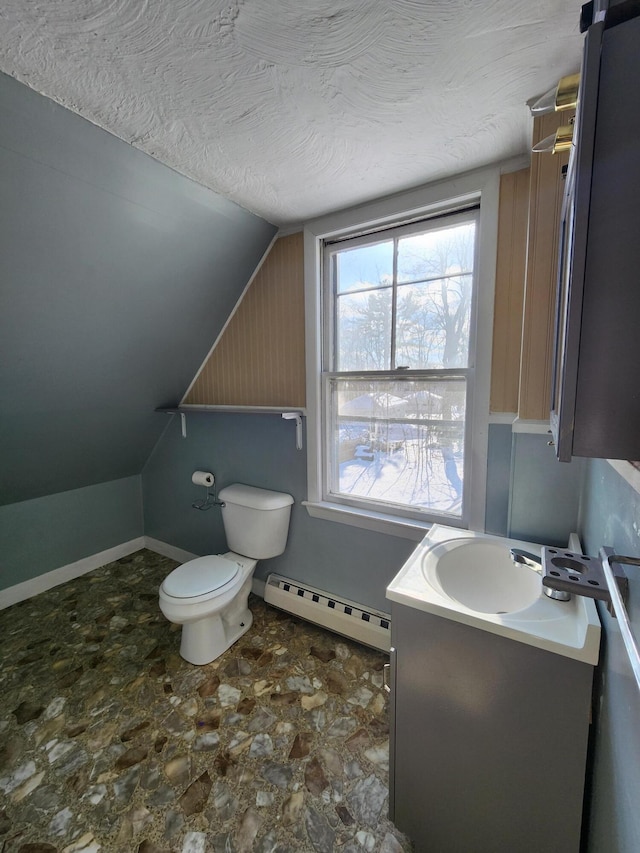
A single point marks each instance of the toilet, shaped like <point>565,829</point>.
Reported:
<point>208,596</point>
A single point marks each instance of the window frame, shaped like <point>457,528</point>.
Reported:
<point>330,297</point>
<point>445,197</point>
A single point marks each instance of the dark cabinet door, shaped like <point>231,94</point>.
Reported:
<point>596,405</point>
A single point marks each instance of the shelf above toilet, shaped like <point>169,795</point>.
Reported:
<point>287,412</point>
<point>215,410</point>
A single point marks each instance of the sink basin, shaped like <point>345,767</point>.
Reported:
<point>469,577</point>
<point>480,574</point>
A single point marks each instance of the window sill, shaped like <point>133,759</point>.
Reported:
<point>379,522</point>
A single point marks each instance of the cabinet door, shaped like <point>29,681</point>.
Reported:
<point>607,413</point>
<point>392,686</point>
<point>490,739</point>
<point>573,248</point>
<point>596,408</point>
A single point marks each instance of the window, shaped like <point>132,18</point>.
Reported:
<point>397,367</point>
<point>449,399</point>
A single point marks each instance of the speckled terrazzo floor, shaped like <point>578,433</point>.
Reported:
<point>110,741</point>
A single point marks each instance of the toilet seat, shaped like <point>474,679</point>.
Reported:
<point>200,577</point>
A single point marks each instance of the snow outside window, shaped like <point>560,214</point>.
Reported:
<point>398,360</point>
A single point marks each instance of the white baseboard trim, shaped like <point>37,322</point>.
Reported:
<point>33,586</point>
<point>166,550</point>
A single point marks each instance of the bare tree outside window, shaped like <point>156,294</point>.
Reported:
<point>402,306</point>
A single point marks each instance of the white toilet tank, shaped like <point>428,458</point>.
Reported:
<point>256,521</point>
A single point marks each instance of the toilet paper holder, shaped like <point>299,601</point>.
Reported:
<point>206,479</point>
<point>210,500</point>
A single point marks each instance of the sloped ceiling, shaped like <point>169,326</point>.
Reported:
<point>293,108</point>
<point>116,274</point>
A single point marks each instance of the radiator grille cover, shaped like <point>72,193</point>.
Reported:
<point>371,627</point>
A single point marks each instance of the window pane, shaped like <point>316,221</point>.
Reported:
<point>367,266</point>
<point>432,326</point>
<point>399,442</point>
<point>363,330</point>
<point>435,254</point>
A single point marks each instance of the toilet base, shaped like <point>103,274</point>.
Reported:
<point>204,640</point>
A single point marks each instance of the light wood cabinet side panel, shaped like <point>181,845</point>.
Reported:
<point>511,266</point>
<point>260,359</point>
<point>542,268</point>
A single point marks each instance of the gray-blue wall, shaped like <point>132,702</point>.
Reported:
<point>499,454</point>
<point>116,276</point>
<point>357,564</point>
<point>610,515</point>
<point>530,495</point>
<point>260,450</point>
<point>45,533</point>
<point>544,492</point>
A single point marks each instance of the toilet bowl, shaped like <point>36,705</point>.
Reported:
<point>208,596</point>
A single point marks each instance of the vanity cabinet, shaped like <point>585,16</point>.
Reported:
<point>489,739</point>
<point>596,390</point>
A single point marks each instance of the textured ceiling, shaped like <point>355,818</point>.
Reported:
<point>293,108</point>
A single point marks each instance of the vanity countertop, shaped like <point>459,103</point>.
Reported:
<point>570,628</point>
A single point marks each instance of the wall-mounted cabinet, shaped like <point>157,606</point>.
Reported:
<point>596,391</point>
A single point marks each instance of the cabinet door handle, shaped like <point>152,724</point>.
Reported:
<point>386,671</point>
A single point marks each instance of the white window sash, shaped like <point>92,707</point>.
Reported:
<point>399,510</point>
<point>442,197</point>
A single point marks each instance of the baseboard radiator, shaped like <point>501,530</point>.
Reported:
<point>371,627</point>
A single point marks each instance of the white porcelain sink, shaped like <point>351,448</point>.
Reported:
<point>480,574</point>
<point>470,577</point>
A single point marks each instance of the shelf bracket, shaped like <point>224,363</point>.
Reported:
<point>258,410</point>
<point>295,416</point>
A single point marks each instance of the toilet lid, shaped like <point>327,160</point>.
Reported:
<point>200,576</point>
